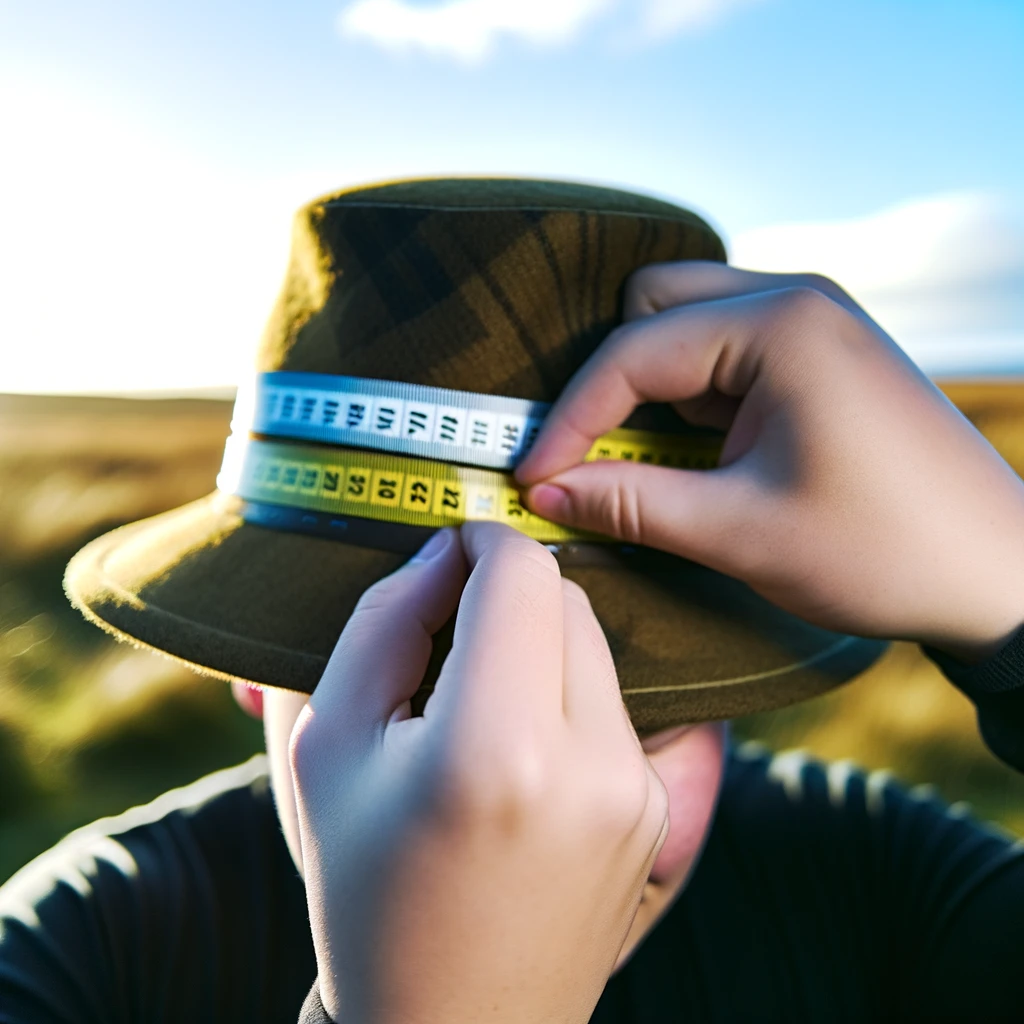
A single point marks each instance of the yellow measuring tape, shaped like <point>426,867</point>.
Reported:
<point>425,492</point>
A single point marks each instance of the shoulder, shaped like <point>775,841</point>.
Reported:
<point>833,842</point>
<point>792,798</point>
<point>172,897</point>
<point>240,794</point>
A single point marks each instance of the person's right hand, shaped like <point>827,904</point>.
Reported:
<point>849,491</point>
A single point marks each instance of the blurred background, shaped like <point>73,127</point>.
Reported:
<point>153,155</point>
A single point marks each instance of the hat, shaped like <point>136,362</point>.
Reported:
<point>500,287</point>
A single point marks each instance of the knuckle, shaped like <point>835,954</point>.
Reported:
<point>619,510</point>
<point>624,798</point>
<point>379,597</point>
<point>520,550</point>
<point>641,286</point>
<point>304,750</point>
<point>525,565</point>
<point>623,341</point>
<point>503,786</point>
<point>586,625</point>
<point>819,282</point>
<point>575,592</point>
<point>615,351</point>
<point>802,307</point>
<point>657,798</point>
<point>369,626</point>
<point>825,285</point>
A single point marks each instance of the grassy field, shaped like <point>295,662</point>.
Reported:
<point>89,727</point>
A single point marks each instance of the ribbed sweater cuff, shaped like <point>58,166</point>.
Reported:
<point>996,686</point>
<point>313,1011</point>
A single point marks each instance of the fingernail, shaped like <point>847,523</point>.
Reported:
<point>433,547</point>
<point>549,501</point>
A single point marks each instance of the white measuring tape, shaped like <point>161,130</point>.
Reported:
<point>432,423</point>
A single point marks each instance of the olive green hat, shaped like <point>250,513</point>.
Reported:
<point>495,286</point>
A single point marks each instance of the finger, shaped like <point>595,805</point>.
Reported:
<point>661,286</point>
<point>505,667</point>
<point>379,660</point>
<point>703,515</point>
<point>680,354</point>
<point>591,697</point>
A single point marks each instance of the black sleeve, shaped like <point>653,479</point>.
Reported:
<point>188,909</point>
<point>996,687</point>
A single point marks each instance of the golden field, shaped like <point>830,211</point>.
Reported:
<point>89,727</point>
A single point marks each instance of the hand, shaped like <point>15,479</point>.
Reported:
<point>850,491</point>
<point>485,861</point>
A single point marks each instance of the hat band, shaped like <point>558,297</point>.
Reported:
<point>387,452</point>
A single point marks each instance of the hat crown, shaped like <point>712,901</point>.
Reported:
<point>500,286</point>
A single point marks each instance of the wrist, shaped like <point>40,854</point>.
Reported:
<point>981,616</point>
<point>982,641</point>
<point>989,668</point>
<point>972,653</point>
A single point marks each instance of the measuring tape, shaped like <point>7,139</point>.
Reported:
<point>372,478</point>
<point>432,423</point>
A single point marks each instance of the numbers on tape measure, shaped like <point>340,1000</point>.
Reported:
<point>355,415</point>
<point>450,499</point>
<point>385,488</point>
<point>333,479</point>
<point>419,490</point>
<point>693,455</point>
<point>480,430</point>
<point>356,484</point>
<point>451,427</point>
<point>425,492</point>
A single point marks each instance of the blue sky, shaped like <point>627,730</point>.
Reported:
<point>805,131</point>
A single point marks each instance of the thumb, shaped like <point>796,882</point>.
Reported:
<point>697,514</point>
<point>383,651</point>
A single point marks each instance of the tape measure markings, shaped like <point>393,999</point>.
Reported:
<point>394,452</point>
<point>422,492</point>
<point>486,430</point>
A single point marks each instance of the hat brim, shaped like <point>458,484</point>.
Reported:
<point>241,601</point>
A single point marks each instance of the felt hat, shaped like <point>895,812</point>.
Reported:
<point>495,286</point>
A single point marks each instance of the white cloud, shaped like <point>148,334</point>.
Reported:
<point>944,275</point>
<point>469,30</point>
<point>668,17</point>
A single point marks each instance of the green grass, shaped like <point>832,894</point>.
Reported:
<point>89,727</point>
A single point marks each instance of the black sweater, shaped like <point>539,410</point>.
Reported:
<point>823,893</point>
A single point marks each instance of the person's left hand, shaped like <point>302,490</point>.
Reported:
<point>485,861</point>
